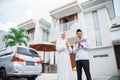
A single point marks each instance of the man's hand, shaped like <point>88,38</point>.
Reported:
<point>79,44</point>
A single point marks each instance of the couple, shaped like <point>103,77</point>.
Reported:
<point>80,48</point>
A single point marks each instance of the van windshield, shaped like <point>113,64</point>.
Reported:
<point>26,51</point>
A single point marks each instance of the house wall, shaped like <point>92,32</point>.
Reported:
<point>105,65</point>
<point>105,25</point>
<point>102,58</point>
<point>115,34</point>
<point>38,33</point>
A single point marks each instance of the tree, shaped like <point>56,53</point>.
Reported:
<point>16,37</point>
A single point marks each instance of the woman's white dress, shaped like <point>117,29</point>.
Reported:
<point>64,67</point>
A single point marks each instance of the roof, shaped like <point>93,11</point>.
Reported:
<point>66,10</point>
<point>63,6</point>
<point>75,7</point>
<point>44,22</point>
<point>31,20</point>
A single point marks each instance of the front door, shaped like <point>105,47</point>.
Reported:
<point>117,54</point>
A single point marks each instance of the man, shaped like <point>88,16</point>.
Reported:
<point>80,48</point>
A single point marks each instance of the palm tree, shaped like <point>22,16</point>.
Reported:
<point>16,37</point>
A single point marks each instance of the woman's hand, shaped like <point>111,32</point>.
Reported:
<point>67,44</point>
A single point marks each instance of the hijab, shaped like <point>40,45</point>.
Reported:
<point>60,41</point>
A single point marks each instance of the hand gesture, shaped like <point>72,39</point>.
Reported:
<point>79,44</point>
<point>67,44</point>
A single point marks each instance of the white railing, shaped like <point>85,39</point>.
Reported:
<point>64,27</point>
<point>67,26</point>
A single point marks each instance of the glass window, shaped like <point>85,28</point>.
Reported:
<point>26,51</point>
<point>34,53</point>
<point>31,33</point>
<point>66,22</point>
<point>97,29</point>
<point>45,35</point>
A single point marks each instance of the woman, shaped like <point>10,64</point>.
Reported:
<point>63,59</point>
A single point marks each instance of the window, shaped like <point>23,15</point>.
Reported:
<point>34,53</point>
<point>66,22</point>
<point>45,34</point>
<point>23,51</point>
<point>31,33</point>
<point>28,52</point>
<point>97,28</point>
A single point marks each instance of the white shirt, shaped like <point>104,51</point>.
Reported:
<point>81,52</point>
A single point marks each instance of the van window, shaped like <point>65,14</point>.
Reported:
<point>26,51</point>
<point>34,53</point>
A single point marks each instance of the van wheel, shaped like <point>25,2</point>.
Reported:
<point>3,75</point>
<point>31,78</point>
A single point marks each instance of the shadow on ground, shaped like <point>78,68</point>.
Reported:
<point>107,78</point>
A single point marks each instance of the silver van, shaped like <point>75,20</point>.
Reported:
<point>19,62</point>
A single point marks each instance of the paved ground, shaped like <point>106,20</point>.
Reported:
<point>107,78</point>
<point>98,78</point>
<point>54,77</point>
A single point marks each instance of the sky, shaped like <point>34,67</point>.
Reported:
<point>14,12</point>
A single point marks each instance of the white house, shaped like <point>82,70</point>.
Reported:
<point>115,35</point>
<point>38,30</point>
<point>94,18</point>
